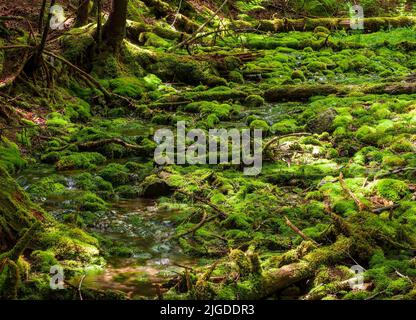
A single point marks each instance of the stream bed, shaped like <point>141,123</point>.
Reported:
<point>138,224</point>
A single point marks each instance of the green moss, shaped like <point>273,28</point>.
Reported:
<point>237,221</point>
<point>88,182</point>
<point>345,207</point>
<point>115,173</point>
<point>89,201</point>
<point>398,286</point>
<point>212,120</point>
<point>221,93</point>
<point>285,126</point>
<point>152,82</point>
<point>222,111</point>
<point>254,101</point>
<point>236,77</point>
<point>402,145</point>
<point>342,121</point>
<point>56,119</point>
<point>51,157</point>
<point>393,161</point>
<point>10,157</point>
<point>48,186</point>
<point>153,40</point>
<point>391,189</point>
<point>242,262</point>
<point>43,260</point>
<point>298,74</point>
<point>84,160</point>
<point>316,66</point>
<point>121,252</point>
<point>367,134</point>
<point>153,187</point>
<point>260,124</point>
<point>79,111</point>
<point>128,86</point>
<point>127,192</point>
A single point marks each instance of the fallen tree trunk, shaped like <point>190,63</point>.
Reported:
<point>278,279</point>
<point>370,24</point>
<point>87,146</point>
<point>304,92</point>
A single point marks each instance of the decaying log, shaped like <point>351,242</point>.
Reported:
<point>275,280</point>
<point>101,143</point>
<point>304,92</point>
<point>372,24</point>
<point>91,145</point>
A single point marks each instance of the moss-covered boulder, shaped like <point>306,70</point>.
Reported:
<point>154,187</point>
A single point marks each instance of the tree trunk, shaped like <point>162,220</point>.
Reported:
<point>93,12</point>
<point>115,28</point>
<point>82,13</point>
<point>34,62</point>
<point>42,16</point>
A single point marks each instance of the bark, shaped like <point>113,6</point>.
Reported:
<point>41,16</point>
<point>115,28</point>
<point>97,11</point>
<point>82,13</point>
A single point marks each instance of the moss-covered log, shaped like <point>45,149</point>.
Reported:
<point>370,24</point>
<point>278,279</point>
<point>304,92</point>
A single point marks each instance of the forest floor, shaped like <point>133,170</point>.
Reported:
<point>337,187</point>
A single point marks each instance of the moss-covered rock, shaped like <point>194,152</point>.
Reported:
<point>154,187</point>
<point>80,160</point>
<point>115,173</point>
<point>254,101</point>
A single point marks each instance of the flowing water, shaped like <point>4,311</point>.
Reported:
<point>138,224</point>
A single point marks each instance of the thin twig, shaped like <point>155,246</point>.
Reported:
<point>80,287</point>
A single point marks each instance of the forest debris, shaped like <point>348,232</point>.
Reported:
<point>80,287</point>
<point>358,202</point>
<point>276,139</point>
<point>387,208</point>
<point>298,231</point>
<point>340,224</point>
<point>204,220</point>
<point>187,41</point>
<point>220,212</point>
